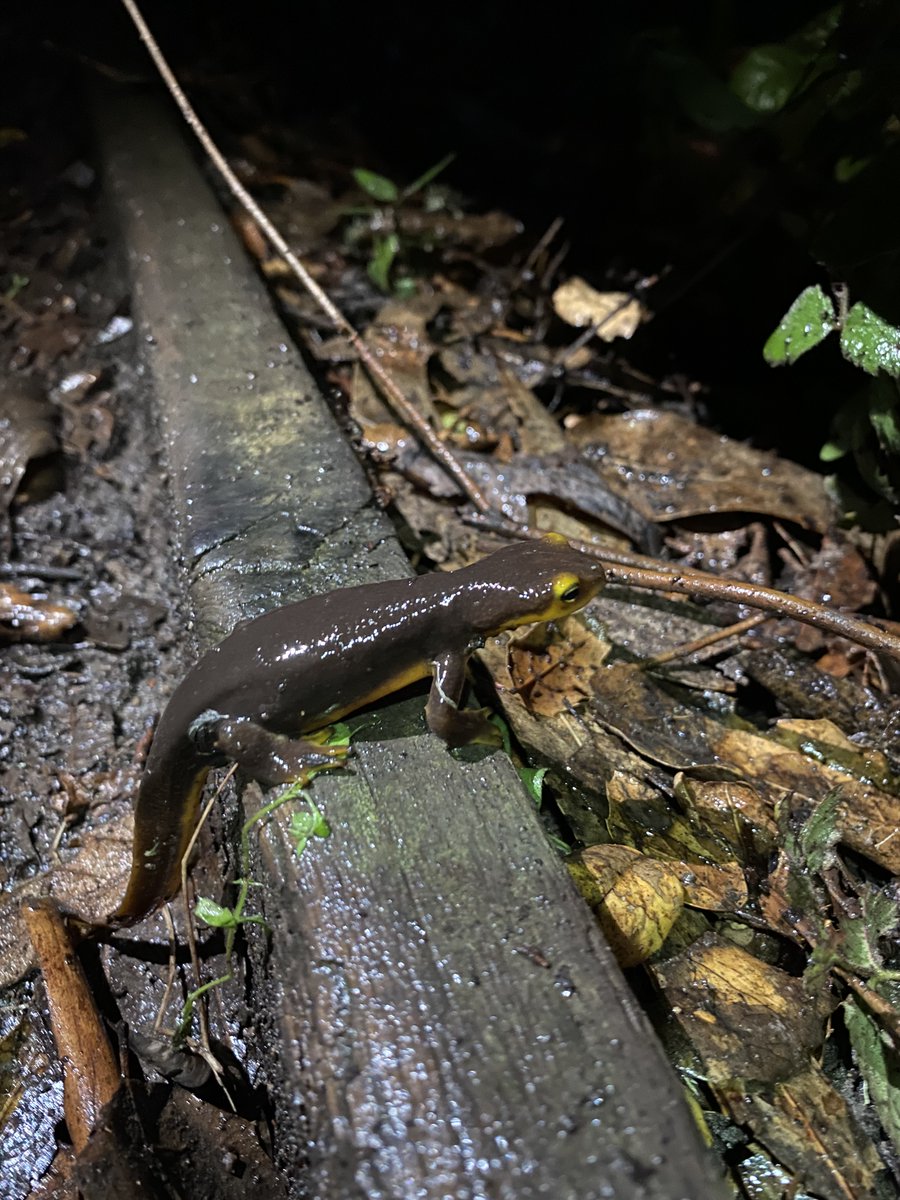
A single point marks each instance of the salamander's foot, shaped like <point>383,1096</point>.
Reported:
<point>462,726</point>
<point>273,758</point>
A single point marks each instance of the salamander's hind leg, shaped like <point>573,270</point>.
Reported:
<point>270,758</point>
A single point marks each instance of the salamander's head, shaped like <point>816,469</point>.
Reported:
<point>532,581</point>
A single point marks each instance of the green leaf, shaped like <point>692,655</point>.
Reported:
<point>533,778</point>
<point>886,429</point>
<point>377,186</point>
<point>305,824</point>
<point>863,933</point>
<point>878,1065</point>
<point>703,96</point>
<point>820,833</point>
<point>384,251</point>
<point>832,451</point>
<point>405,287</point>
<point>870,343</point>
<point>215,914</point>
<point>812,38</point>
<point>16,283</point>
<point>848,168</point>
<point>807,322</point>
<point>426,177</point>
<point>340,734</point>
<point>767,77</point>
<point>505,739</point>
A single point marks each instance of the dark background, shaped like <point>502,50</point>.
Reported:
<point>588,112</point>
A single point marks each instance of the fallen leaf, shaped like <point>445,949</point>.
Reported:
<point>685,470</point>
<point>636,899</point>
<point>748,1020</point>
<point>27,438</point>
<point>551,670</point>
<point>714,887</point>
<point>867,818</point>
<point>25,619</point>
<point>807,1125</point>
<point>738,813</point>
<point>615,314</point>
<point>399,339</point>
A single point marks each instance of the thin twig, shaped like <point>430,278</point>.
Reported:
<point>172,970</point>
<point>688,649</point>
<point>696,583</point>
<point>189,916</point>
<point>539,247</point>
<point>392,393</point>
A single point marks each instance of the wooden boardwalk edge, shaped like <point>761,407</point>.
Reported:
<point>444,1018</point>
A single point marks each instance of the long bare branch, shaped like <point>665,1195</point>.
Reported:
<point>392,393</point>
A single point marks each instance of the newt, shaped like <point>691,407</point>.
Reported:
<point>294,670</point>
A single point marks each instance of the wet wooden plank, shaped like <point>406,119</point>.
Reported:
<point>440,1014</point>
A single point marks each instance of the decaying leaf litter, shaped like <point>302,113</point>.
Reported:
<point>714,787</point>
<point>707,787</point>
<point>88,616</point>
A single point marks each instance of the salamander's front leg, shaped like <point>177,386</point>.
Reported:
<point>270,758</point>
<point>457,726</point>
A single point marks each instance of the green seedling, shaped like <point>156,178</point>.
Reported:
<point>16,284</point>
<point>532,777</point>
<point>183,1028</point>
<point>381,221</point>
<point>307,824</point>
<point>385,191</point>
<point>303,826</point>
<point>221,917</point>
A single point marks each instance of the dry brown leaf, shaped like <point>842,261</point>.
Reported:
<point>89,882</point>
<point>678,469</point>
<point>715,887</point>
<point>27,433</point>
<point>616,314</point>
<point>748,1020</point>
<point>797,686</point>
<point>836,574</point>
<point>22,618</point>
<point>55,333</point>
<point>636,899</point>
<point>477,231</point>
<point>867,818</point>
<point>806,1124</point>
<point>626,701</point>
<point>399,339</point>
<point>738,813</point>
<point>550,670</point>
<point>775,764</point>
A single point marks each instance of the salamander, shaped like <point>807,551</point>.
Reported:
<point>298,668</point>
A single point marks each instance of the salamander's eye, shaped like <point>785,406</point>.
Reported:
<point>567,588</point>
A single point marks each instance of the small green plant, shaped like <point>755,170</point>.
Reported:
<point>381,222</point>
<point>868,424</point>
<point>16,284</point>
<point>532,779</point>
<point>307,824</point>
<point>769,75</point>
<point>183,1028</point>
<point>304,825</point>
<point>219,916</point>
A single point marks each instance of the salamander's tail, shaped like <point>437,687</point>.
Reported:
<point>164,822</point>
